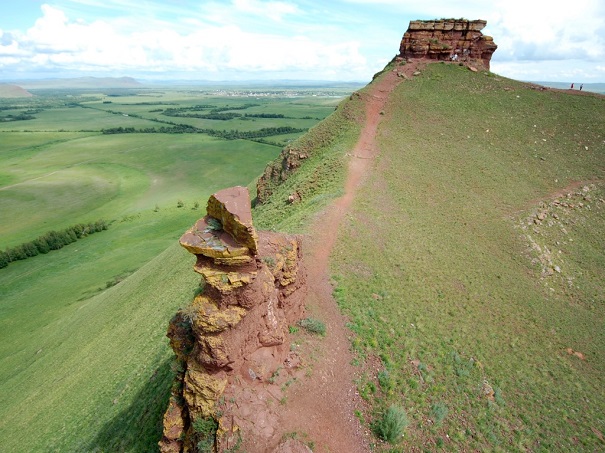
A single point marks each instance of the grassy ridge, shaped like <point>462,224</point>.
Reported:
<point>321,176</point>
<point>436,276</point>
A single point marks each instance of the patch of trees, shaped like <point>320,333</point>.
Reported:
<point>153,103</point>
<point>233,107</point>
<point>176,129</point>
<point>18,117</point>
<point>216,113</point>
<point>195,108</point>
<point>53,240</point>
<point>205,116</point>
<point>248,135</point>
<point>264,115</point>
<point>233,134</point>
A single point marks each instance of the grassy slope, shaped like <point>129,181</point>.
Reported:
<point>95,376</point>
<point>434,272</point>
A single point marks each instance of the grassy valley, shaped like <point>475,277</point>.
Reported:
<point>85,361</point>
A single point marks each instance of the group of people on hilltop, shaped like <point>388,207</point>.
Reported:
<point>581,86</point>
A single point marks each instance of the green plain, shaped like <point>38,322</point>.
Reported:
<point>85,362</point>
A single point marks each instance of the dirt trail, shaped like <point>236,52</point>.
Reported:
<point>322,405</point>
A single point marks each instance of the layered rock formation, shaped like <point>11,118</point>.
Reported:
<point>234,332</point>
<point>450,40</point>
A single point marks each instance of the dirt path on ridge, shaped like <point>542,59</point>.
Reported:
<point>322,405</point>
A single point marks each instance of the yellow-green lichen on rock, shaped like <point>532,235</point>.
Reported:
<point>224,281</point>
<point>204,239</point>
<point>202,391</point>
<point>174,427</point>
<point>210,319</point>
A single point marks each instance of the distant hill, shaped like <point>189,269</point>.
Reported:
<point>82,82</point>
<point>13,91</point>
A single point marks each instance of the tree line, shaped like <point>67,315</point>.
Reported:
<point>232,134</point>
<point>53,240</point>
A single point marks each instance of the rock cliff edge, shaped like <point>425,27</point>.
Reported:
<point>448,40</point>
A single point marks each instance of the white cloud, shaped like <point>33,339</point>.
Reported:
<point>273,10</point>
<point>541,31</point>
<point>225,51</point>
<point>348,39</point>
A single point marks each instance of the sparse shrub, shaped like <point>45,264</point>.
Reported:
<point>439,412</point>
<point>199,290</point>
<point>41,245</point>
<point>214,224</point>
<point>384,379</point>
<point>392,424</point>
<point>205,430</point>
<point>4,259</point>
<point>190,313</point>
<point>269,261</point>
<point>196,205</point>
<point>313,325</point>
<point>180,204</point>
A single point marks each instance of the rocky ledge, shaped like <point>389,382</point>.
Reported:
<point>234,332</point>
<point>448,40</point>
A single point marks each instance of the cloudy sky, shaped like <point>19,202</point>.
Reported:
<point>545,40</point>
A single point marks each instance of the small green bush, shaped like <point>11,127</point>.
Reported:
<point>313,325</point>
<point>205,430</point>
<point>384,379</point>
<point>392,424</point>
<point>439,412</point>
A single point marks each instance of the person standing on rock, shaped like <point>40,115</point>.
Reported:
<point>581,86</point>
<point>571,87</point>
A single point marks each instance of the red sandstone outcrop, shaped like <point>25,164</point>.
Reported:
<point>233,333</point>
<point>449,40</point>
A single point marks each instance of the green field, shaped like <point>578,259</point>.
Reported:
<point>85,361</point>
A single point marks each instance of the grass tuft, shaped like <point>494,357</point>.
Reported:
<point>313,325</point>
<point>391,426</point>
<point>439,412</point>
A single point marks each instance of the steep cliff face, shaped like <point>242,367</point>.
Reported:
<point>233,333</point>
<point>450,40</point>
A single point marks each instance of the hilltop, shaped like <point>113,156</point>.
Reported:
<point>450,251</point>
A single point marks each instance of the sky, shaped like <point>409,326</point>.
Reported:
<point>328,40</point>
